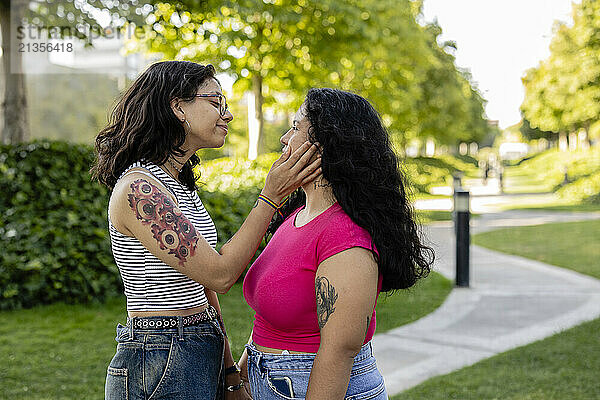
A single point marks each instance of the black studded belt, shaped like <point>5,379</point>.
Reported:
<point>172,322</point>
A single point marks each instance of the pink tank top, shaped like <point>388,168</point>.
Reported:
<point>280,285</point>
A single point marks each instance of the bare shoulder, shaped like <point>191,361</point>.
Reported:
<point>124,193</point>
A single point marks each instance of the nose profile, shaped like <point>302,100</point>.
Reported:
<point>285,138</point>
<point>228,117</point>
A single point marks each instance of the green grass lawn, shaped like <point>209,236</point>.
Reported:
<point>61,351</point>
<point>573,245</point>
<point>564,366</point>
<point>426,216</point>
<point>560,206</point>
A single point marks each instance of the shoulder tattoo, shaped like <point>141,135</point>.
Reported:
<point>326,298</point>
<point>171,229</point>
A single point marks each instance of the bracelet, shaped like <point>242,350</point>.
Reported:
<point>233,369</point>
<point>233,388</point>
<point>271,203</point>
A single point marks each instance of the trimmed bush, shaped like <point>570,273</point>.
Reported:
<point>53,231</point>
<point>229,190</point>
<point>425,172</point>
<point>54,228</point>
<point>583,190</point>
<point>549,166</point>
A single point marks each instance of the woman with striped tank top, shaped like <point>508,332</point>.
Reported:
<point>174,345</point>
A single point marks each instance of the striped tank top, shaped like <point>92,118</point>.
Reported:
<point>149,283</point>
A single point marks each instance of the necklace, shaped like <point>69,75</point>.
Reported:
<point>173,165</point>
<point>184,190</point>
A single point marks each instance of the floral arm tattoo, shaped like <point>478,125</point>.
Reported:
<point>326,298</point>
<point>171,229</point>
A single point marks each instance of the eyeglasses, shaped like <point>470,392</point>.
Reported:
<point>223,107</point>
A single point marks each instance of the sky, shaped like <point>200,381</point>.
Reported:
<point>498,40</point>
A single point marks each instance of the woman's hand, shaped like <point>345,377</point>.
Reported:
<point>289,172</point>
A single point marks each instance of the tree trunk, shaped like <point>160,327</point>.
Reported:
<point>255,118</point>
<point>257,83</point>
<point>15,104</point>
<point>562,141</point>
<point>572,141</point>
<point>585,137</point>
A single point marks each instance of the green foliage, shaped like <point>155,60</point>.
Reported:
<point>450,109</point>
<point>563,93</point>
<point>230,189</point>
<point>531,133</point>
<point>582,167</point>
<point>54,226</point>
<point>585,189</point>
<point>53,231</point>
<point>424,172</point>
<point>283,48</point>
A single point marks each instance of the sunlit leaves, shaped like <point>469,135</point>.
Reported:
<point>563,93</point>
<point>374,48</point>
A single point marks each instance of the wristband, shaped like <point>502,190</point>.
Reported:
<point>272,203</point>
<point>233,369</point>
<point>233,388</point>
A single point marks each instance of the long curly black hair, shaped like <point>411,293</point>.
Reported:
<point>143,125</point>
<point>358,161</point>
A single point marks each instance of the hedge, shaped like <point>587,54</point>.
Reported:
<point>54,228</point>
<point>582,190</point>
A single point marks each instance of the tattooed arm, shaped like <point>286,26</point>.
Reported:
<point>143,208</point>
<point>345,289</point>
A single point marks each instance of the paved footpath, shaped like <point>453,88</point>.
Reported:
<point>512,301</point>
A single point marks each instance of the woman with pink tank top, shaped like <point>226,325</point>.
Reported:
<point>337,243</point>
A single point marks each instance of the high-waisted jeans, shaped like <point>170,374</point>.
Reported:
<point>269,374</point>
<point>171,363</point>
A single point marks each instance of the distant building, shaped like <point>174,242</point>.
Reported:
<point>104,57</point>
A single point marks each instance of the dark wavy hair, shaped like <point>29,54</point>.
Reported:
<point>358,161</point>
<point>143,125</point>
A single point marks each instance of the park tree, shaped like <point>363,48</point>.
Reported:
<point>530,133</point>
<point>450,109</point>
<point>14,104</point>
<point>583,55</point>
<point>562,94</point>
<point>278,49</point>
<point>283,46</point>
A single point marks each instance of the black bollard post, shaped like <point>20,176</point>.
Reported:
<point>463,239</point>
<point>456,181</point>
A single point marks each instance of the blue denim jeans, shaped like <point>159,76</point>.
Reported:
<point>270,375</point>
<point>180,363</point>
